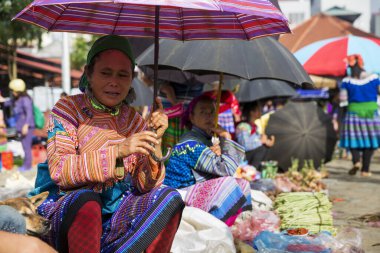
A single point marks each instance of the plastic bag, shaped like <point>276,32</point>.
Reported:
<point>263,185</point>
<point>348,240</point>
<point>269,242</point>
<point>249,224</point>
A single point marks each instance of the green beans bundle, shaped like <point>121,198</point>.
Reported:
<point>305,209</point>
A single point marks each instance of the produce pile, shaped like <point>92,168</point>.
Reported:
<point>308,178</point>
<point>305,210</point>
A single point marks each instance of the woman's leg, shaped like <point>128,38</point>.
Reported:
<point>27,147</point>
<point>164,240</point>
<point>86,229</point>
<point>355,160</point>
<point>367,156</point>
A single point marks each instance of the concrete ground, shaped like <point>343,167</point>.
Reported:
<point>352,197</point>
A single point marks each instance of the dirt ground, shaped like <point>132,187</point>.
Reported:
<point>354,196</point>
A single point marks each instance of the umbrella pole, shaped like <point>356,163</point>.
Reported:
<point>156,54</point>
<point>155,77</point>
<point>218,97</point>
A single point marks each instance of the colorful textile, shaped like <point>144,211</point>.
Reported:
<point>183,20</point>
<point>82,162</point>
<point>361,127</point>
<point>222,197</point>
<point>138,220</point>
<point>172,134</point>
<point>363,109</point>
<point>207,178</point>
<point>360,132</point>
<point>246,138</point>
<point>226,120</point>
<point>82,141</point>
<point>361,90</point>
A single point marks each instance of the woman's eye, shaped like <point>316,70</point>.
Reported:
<point>105,73</point>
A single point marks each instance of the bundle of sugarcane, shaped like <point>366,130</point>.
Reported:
<point>305,210</point>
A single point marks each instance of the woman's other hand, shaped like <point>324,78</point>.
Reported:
<point>159,120</point>
<point>221,132</point>
<point>216,149</point>
<point>138,143</point>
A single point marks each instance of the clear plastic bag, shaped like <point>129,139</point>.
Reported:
<point>249,224</point>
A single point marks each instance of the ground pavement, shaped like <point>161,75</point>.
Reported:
<point>352,196</point>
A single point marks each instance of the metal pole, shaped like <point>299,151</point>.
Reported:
<point>66,76</point>
<point>156,55</point>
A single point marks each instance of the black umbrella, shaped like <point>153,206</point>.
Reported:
<point>260,58</point>
<point>303,131</point>
<point>144,94</point>
<point>248,91</point>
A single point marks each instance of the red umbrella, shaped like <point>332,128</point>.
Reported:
<point>327,57</point>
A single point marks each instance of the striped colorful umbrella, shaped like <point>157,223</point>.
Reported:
<point>180,20</point>
<point>327,57</point>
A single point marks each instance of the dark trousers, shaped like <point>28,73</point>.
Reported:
<point>256,156</point>
<point>366,155</point>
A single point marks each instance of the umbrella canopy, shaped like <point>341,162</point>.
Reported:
<point>259,58</point>
<point>180,20</point>
<point>144,94</point>
<point>303,131</point>
<point>326,57</point>
<point>264,88</point>
<point>257,89</point>
<point>319,27</point>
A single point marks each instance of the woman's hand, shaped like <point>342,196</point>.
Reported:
<point>221,132</point>
<point>138,143</point>
<point>267,141</point>
<point>25,129</point>
<point>216,149</point>
<point>159,120</point>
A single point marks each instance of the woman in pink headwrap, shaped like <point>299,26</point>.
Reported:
<point>203,169</point>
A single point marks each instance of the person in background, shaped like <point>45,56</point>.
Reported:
<point>229,110</point>
<point>204,169</point>
<point>22,105</point>
<point>360,132</point>
<point>248,135</point>
<point>101,158</point>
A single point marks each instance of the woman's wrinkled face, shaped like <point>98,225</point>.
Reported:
<point>203,115</point>
<point>111,77</point>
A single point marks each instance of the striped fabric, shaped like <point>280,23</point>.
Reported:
<point>82,147</point>
<point>226,120</point>
<point>180,20</point>
<point>131,228</point>
<point>360,132</point>
<point>222,197</point>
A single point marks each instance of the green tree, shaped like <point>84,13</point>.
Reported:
<point>16,33</point>
<point>80,49</point>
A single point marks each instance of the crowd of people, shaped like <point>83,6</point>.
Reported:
<point>108,193</point>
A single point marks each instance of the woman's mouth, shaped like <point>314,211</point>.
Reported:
<point>112,94</point>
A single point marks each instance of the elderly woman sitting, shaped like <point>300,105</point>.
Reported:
<point>205,170</point>
<point>109,197</point>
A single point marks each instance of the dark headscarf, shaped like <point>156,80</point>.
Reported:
<point>106,43</point>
